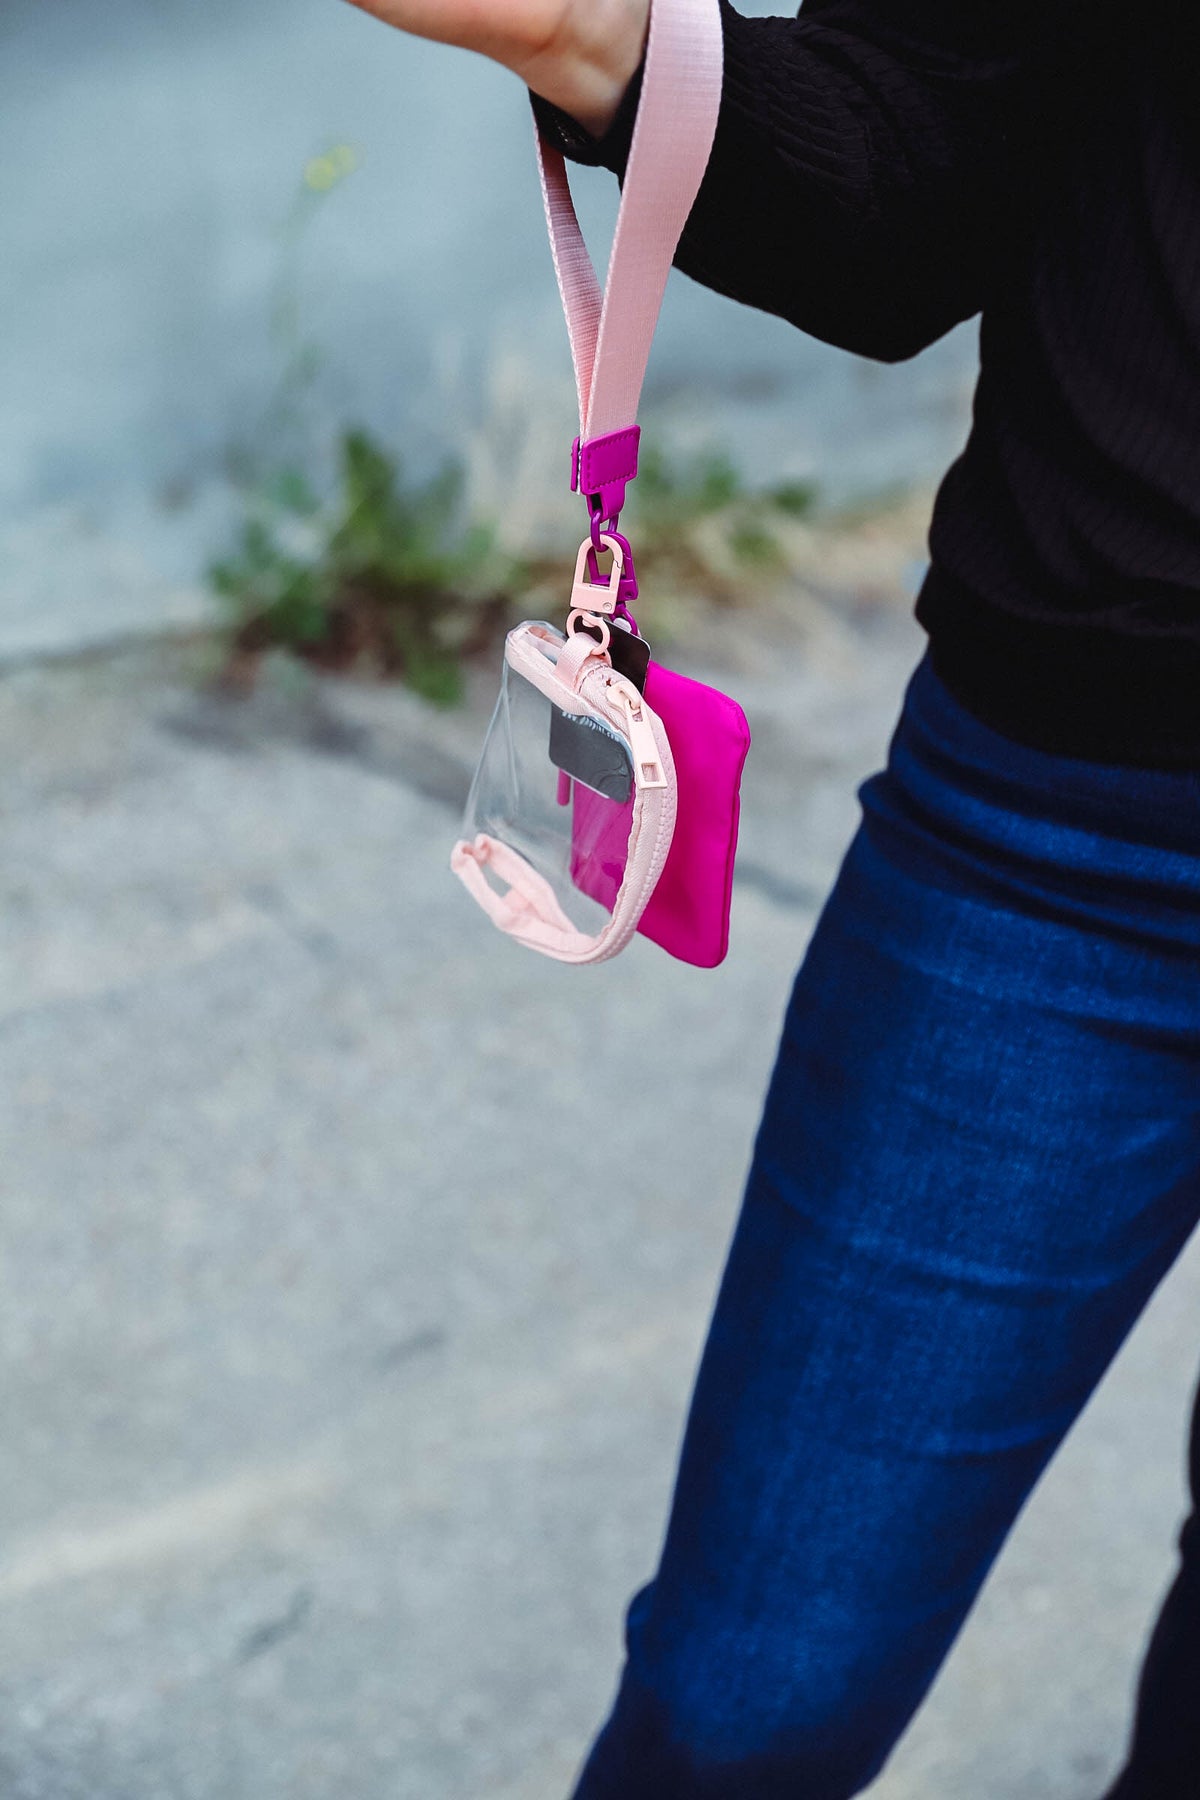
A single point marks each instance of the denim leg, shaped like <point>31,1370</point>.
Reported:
<point>1164,1761</point>
<point>980,1153</point>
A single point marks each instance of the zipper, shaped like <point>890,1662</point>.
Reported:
<point>647,763</point>
<point>629,710</point>
<point>656,811</point>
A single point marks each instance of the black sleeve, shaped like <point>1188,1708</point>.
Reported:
<point>867,161</point>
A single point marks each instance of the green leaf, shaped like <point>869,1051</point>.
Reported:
<point>290,491</point>
<point>435,678</point>
<point>752,543</point>
<point>717,483</point>
<point>796,498</point>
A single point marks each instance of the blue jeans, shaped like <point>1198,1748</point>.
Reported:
<point>980,1154</point>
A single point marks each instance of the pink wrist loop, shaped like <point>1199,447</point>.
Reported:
<point>611,331</point>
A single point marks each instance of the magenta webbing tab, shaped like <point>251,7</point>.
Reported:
<point>602,466</point>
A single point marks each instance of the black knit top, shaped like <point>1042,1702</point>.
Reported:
<point>886,168</point>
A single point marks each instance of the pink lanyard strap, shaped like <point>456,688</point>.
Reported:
<point>611,333</point>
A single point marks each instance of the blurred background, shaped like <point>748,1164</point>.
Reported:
<point>336,1433</point>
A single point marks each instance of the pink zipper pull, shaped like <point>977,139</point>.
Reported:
<point>647,765</point>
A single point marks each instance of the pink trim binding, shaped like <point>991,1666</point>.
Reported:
<point>529,910</point>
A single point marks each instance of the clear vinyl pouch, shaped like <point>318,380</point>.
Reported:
<point>572,809</point>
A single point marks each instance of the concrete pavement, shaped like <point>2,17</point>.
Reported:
<point>337,1428</point>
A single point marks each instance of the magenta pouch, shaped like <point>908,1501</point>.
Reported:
<point>688,913</point>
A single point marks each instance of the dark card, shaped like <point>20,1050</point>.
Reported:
<point>588,750</point>
<point>630,655</point>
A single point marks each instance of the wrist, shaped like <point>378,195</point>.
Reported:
<point>586,71</point>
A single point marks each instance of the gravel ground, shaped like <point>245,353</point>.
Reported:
<point>337,1428</point>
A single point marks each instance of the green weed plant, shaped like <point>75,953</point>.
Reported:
<point>391,577</point>
<point>397,577</point>
<point>386,577</point>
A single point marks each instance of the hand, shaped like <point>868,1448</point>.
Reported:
<point>578,54</point>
